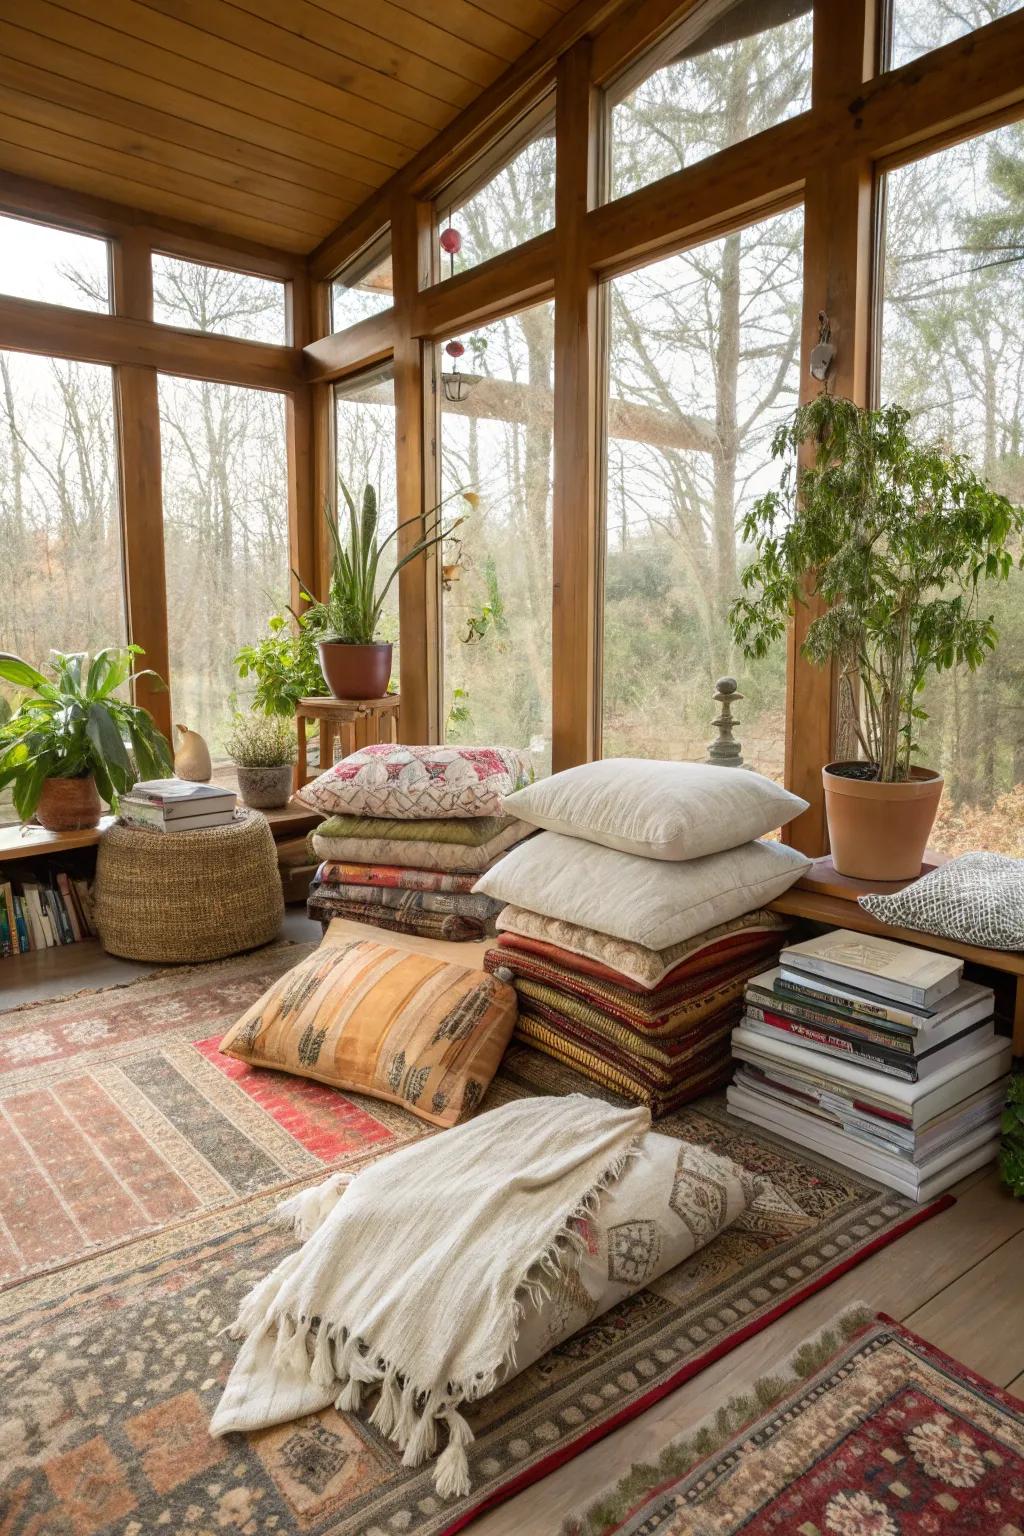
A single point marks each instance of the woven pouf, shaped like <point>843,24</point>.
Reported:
<point>176,897</point>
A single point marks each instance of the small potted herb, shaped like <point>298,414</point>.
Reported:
<point>262,748</point>
<point>72,741</point>
<point>897,539</point>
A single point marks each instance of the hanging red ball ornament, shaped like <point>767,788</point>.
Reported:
<point>451,241</point>
<point>455,349</point>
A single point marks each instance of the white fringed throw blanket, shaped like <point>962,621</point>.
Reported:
<point>414,1276</point>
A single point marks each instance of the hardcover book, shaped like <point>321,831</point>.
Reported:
<point>900,972</point>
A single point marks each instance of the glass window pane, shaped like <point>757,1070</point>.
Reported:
<point>953,353</point>
<point>59,513</point>
<point>363,289</point>
<point>497,609</point>
<point>515,205</point>
<point>746,70</point>
<point>703,363</point>
<point>920,25</point>
<point>225,538</point>
<point>214,299</point>
<point>53,266</point>
<point>364,431</point>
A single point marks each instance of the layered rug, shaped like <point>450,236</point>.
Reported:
<point>880,1435</point>
<point>139,1173</point>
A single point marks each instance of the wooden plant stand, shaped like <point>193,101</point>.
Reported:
<point>355,722</point>
<point>826,898</point>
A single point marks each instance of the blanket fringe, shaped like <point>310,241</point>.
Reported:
<point>407,1414</point>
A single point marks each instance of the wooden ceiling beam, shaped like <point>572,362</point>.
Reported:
<point>56,331</point>
<point>516,278</point>
<point>358,346</point>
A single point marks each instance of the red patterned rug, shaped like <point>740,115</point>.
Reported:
<point>883,1435</point>
<point>145,1213</point>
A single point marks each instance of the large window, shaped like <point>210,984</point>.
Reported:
<point>702,364</point>
<point>920,25</point>
<point>953,353</point>
<point>59,514</point>
<point>727,73</point>
<point>225,537</point>
<point>500,209</point>
<point>497,441</point>
<point>53,266</point>
<point>365,287</point>
<point>205,298</point>
<point>364,434</point>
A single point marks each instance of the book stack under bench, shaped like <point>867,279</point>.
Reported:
<point>876,1054</point>
<point>41,909</point>
<point>177,805</point>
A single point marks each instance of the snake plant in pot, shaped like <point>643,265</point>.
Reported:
<point>896,539</point>
<point>71,740</point>
<point>355,664</point>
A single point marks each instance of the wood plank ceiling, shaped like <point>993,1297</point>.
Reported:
<point>266,119</point>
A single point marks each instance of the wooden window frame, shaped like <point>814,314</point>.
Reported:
<point>860,121</point>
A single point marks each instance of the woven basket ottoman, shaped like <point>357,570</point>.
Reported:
<point>181,897</point>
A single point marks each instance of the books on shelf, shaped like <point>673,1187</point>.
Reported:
<point>41,911</point>
<point>176,805</point>
<point>875,1054</point>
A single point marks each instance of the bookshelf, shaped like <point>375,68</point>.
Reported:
<point>19,844</point>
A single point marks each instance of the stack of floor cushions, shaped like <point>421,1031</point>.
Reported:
<point>633,921</point>
<point>409,831</point>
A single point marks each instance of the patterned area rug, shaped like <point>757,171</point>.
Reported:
<point>883,1435</point>
<point>112,1361</point>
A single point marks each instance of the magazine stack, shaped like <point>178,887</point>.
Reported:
<point>875,1054</point>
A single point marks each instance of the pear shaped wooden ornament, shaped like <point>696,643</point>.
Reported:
<point>192,759</point>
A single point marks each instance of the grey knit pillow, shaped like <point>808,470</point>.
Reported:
<point>977,898</point>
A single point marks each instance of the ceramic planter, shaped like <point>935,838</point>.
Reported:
<point>355,671</point>
<point>67,805</point>
<point>266,788</point>
<point>879,831</point>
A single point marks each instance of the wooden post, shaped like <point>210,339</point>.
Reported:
<point>142,511</point>
<point>411,256</point>
<point>838,213</point>
<point>577,539</point>
<point>299,409</point>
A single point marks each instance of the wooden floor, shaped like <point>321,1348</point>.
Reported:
<point>958,1280</point>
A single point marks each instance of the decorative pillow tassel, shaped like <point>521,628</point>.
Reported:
<point>451,1471</point>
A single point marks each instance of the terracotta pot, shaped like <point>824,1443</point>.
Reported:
<point>355,671</point>
<point>66,805</point>
<point>880,831</point>
<point>266,788</point>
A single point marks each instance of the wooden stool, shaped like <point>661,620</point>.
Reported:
<point>356,723</point>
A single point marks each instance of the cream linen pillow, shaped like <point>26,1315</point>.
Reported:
<point>645,901</point>
<point>662,810</point>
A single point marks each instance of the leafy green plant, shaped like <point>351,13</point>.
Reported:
<point>1011,1154</point>
<point>355,598</point>
<point>284,663</point>
<point>896,537</point>
<point>75,726</point>
<point>261,741</point>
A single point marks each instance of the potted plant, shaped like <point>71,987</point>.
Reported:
<point>285,663</point>
<point>354,663</point>
<point>262,748</point>
<point>71,741</point>
<point>896,538</point>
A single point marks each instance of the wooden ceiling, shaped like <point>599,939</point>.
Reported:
<point>266,119</point>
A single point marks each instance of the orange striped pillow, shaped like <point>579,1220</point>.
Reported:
<point>390,1023</point>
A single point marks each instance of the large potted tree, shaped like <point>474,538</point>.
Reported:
<point>895,538</point>
<point>355,664</point>
<point>73,740</point>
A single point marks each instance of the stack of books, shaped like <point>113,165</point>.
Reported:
<point>876,1054</point>
<point>39,911</point>
<point>177,805</point>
